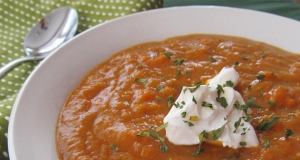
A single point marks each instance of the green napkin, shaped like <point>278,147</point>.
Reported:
<point>18,17</point>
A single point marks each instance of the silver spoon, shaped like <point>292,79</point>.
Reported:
<point>46,36</point>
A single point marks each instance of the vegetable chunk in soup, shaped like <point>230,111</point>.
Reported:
<point>118,110</point>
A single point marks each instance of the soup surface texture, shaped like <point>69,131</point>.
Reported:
<point>130,92</point>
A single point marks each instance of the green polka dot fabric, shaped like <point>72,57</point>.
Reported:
<point>16,20</point>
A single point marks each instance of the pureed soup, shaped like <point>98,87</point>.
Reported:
<point>118,110</point>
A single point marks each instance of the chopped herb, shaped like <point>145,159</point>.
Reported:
<point>161,127</point>
<point>159,87</point>
<point>228,84</point>
<point>114,147</point>
<point>243,143</point>
<point>183,114</point>
<point>250,103</point>
<point>260,76</point>
<point>261,92</point>
<point>198,151</point>
<point>209,105</point>
<point>168,55</point>
<point>185,89</point>
<point>201,139</point>
<point>158,98</point>
<point>272,104</point>
<point>266,143</point>
<point>178,73</point>
<point>188,72</point>
<point>220,90</point>
<point>164,148</point>
<point>141,80</point>
<point>237,124</point>
<point>291,115</point>
<point>189,123</point>
<point>245,57</point>
<point>288,133</point>
<point>197,85</point>
<point>267,124</point>
<point>236,63</point>
<point>211,58</point>
<point>223,101</point>
<point>194,118</point>
<point>249,86</point>
<point>143,134</point>
<point>233,156</point>
<point>153,134</point>
<point>215,134</point>
<point>170,101</point>
<point>263,54</point>
<point>272,114</point>
<point>178,105</point>
<point>178,62</point>
<point>248,118</point>
<point>194,100</point>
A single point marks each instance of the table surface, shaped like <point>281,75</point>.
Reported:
<point>17,18</point>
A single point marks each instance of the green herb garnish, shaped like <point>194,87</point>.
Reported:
<point>183,114</point>
<point>188,72</point>
<point>178,73</point>
<point>141,80</point>
<point>291,115</point>
<point>212,59</point>
<point>209,105</point>
<point>237,124</point>
<point>114,147</point>
<point>260,76</point>
<point>168,55</point>
<point>220,90</point>
<point>189,123</point>
<point>158,98</point>
<point>267,124</point>
<point>243,143</point>
<point>197,85</point>
<point>228,84</point>
<point>222,101</point>
<point>266,143</point>
<point>161,127</point>
<point>245,57</point>
<point>159,87</point>
<point>170,101</point>
<point>236,63</point>
<point>178,62</point>
<point>194,100</point>
<point>153,134</point>
<point>288,133</point>
<point>272,104</point>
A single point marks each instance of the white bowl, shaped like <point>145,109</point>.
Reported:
<point>33,119</point>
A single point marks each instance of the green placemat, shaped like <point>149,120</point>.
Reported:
<point>286,8</point>
<point>18,17</point>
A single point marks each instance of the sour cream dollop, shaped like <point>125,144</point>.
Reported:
<point>188,117</point>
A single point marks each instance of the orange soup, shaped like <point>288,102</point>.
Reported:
<point>131,91</point>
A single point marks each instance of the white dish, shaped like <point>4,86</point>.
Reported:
<point>33,119</point>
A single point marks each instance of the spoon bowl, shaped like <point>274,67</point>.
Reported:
<point>46,36</point>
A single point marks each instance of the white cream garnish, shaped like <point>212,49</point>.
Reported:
<point>188,117</point>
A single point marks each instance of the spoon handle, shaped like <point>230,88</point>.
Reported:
<point>12,64</point>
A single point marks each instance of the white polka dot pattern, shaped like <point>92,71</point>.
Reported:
<point>16,20</point>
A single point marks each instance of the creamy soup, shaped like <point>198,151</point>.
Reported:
<point>109,114</point>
